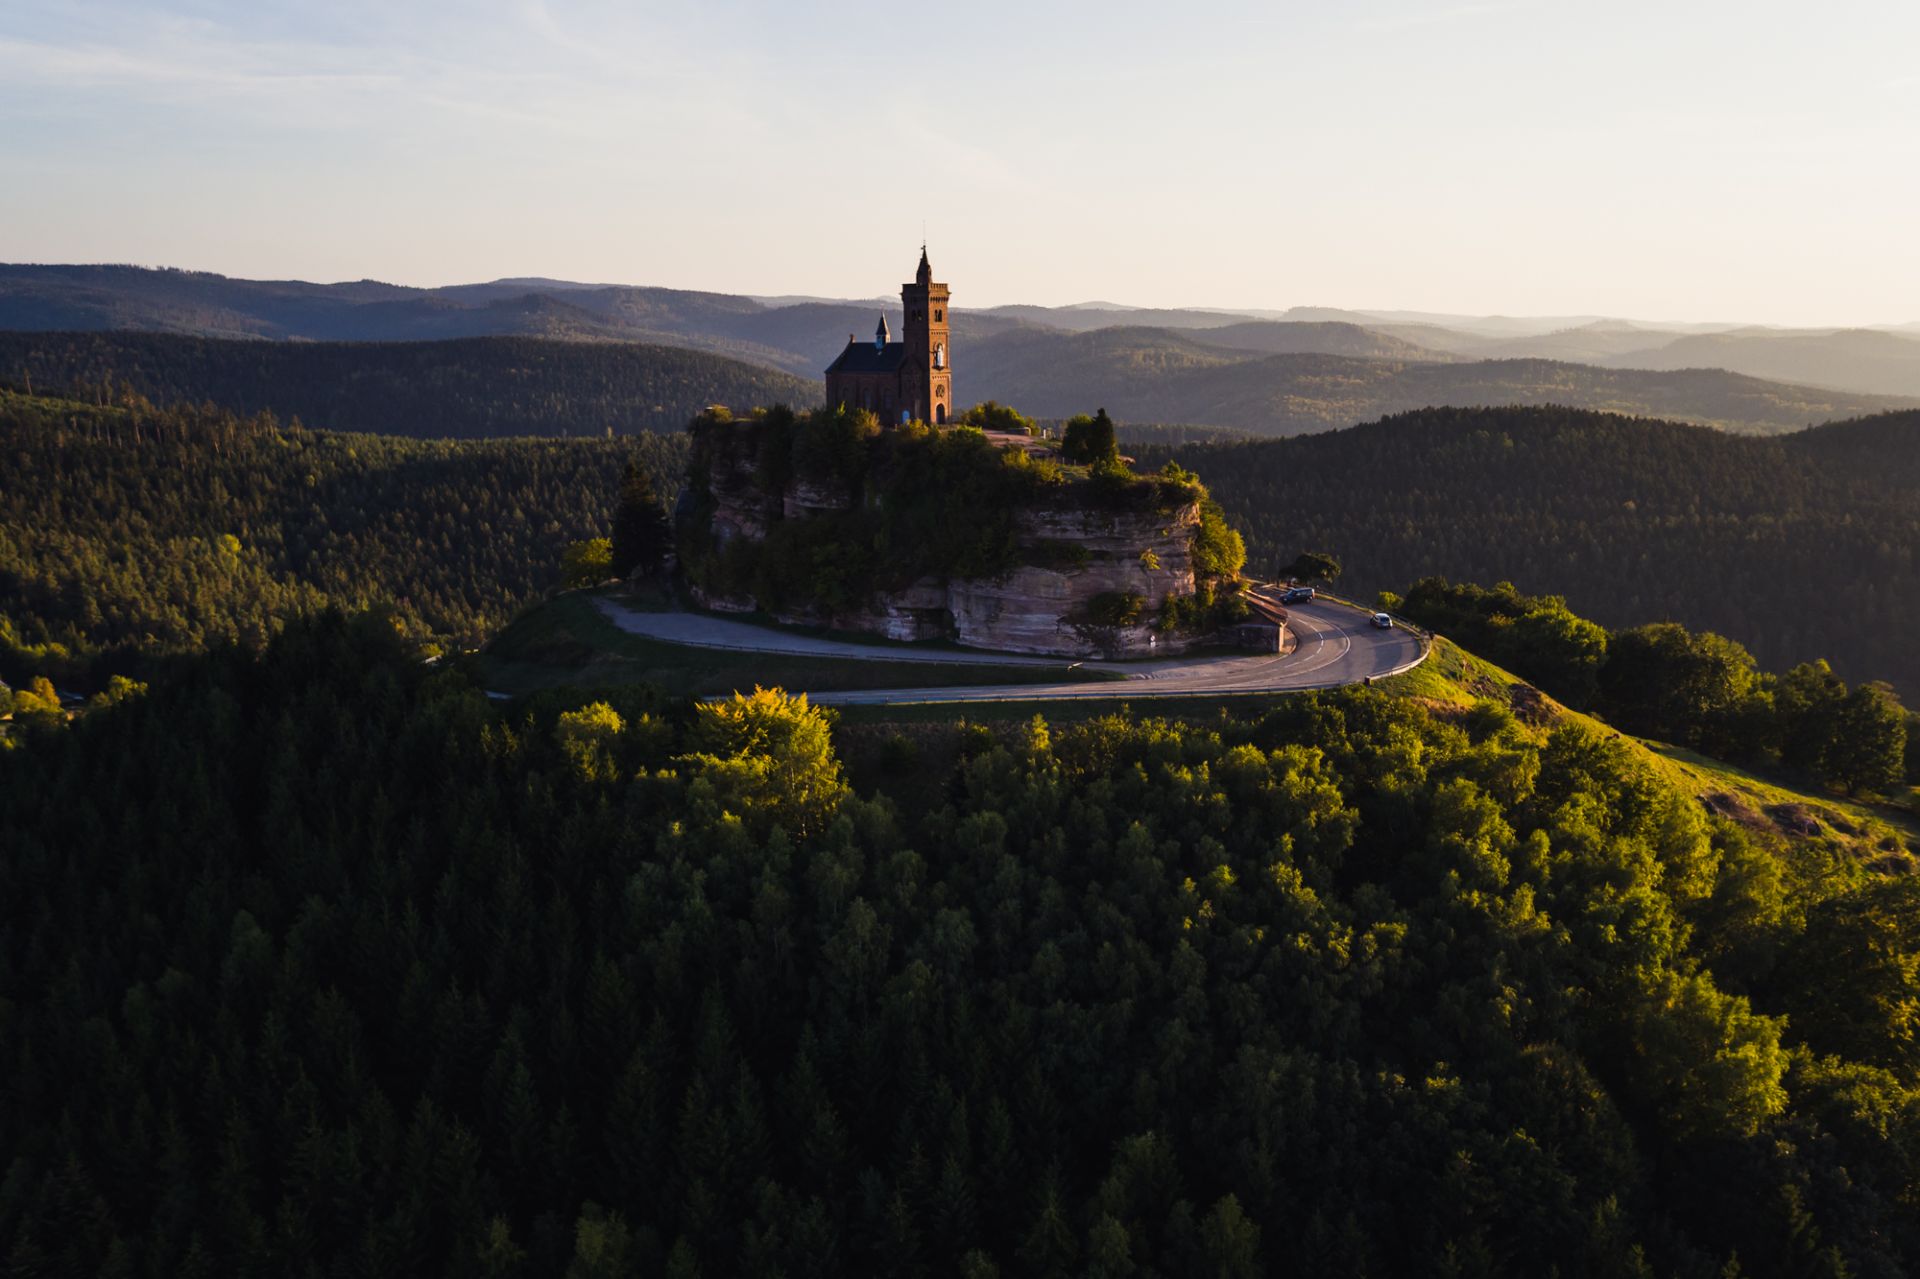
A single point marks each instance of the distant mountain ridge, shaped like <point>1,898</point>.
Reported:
<point>1274,372</point>
<point>1148,376</point>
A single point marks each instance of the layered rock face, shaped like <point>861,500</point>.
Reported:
<point>1074,561</point>
<point>1032,609</point>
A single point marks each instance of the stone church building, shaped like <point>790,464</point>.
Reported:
<point>905,381</point>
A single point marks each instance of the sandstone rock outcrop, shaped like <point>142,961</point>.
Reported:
<point>1087,579</point>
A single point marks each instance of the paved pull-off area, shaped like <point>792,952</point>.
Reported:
<point>1338,645</point>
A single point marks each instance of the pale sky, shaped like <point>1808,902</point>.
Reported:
<point>1678,159</point>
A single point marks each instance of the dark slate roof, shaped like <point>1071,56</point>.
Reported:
<point>861,357</point>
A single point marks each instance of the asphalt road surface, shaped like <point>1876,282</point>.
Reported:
<point>1338,645</point>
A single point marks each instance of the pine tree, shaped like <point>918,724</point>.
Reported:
<point>641,531</point>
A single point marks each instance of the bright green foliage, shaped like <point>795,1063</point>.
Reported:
<point>37,702</point>
<point>587,736</point>
<point>1705,1060</point>
<point>119,688</point>
<point>586,563</point>
<point>767,757</point>
<point>1218,552</point>
<point>989,416</point>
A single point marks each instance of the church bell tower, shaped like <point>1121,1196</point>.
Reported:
<point>929,359</point>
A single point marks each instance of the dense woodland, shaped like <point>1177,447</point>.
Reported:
<point>475,388</point>
<point>1800,548</point>
<point>360,974</point>
<point>132,531</point>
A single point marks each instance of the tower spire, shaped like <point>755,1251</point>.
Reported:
<point>925,274</point>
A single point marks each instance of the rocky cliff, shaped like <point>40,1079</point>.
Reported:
<point>1082,572</point>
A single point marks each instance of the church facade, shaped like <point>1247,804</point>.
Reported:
<point>906,381</point>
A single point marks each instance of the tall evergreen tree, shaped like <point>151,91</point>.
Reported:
<point>641,530</point>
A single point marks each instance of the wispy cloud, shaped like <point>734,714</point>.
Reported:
<point>553,83</point>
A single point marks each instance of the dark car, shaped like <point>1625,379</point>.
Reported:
<point>1297,595</point>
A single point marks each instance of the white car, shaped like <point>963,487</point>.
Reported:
<point>1383,621</point>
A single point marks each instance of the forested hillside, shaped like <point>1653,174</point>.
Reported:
<point>1148,375</point>
<point>1802,547</point>
<point>359,973</point>
<point>479,387</point>
<point>161,531</point>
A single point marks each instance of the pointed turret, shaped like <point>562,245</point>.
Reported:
<point>880,335</point>
<point>925,274</point>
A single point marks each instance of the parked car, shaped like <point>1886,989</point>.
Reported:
<point>1383,621</point>
<point>1297,595</point>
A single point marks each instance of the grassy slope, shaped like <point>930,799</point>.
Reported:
<point>569,642</point>
<point>1846,830</point>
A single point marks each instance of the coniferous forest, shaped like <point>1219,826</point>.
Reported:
<point>132,530</point>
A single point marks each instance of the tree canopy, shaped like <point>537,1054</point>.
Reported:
<point>363,970</point>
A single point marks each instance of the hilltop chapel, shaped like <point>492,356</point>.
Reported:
<point>901,381</point>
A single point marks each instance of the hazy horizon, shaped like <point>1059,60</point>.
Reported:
<point>1749,164</point>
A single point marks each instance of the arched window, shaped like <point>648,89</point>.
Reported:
<point>940,414</point>
<point>936,315</point>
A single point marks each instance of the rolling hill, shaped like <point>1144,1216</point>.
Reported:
<point>1800,546</point>
<point>1274,373</point>
<point>467,388</point>
<point>1866,360</point>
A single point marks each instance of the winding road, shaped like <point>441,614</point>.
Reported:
<point>1338,645</point>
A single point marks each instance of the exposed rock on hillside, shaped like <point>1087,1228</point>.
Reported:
<point>1071,567</point>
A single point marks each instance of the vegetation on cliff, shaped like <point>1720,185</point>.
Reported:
<point>901,505</point>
